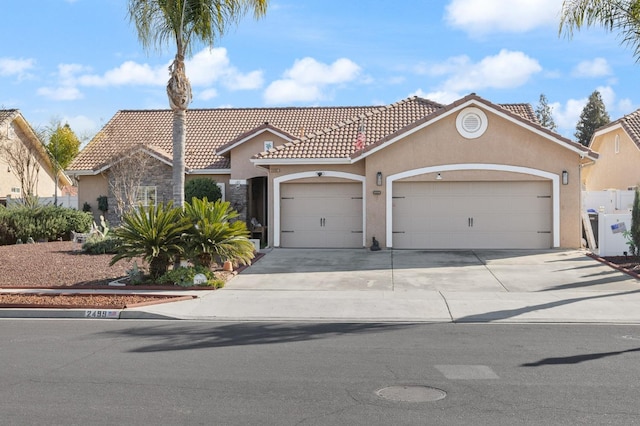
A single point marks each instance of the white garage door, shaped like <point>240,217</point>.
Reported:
<point>321,215</point>
<point>503,215</point>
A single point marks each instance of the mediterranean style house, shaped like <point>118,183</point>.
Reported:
<point>618,146</point>
<point>25,166</point>
<point>415,174</point>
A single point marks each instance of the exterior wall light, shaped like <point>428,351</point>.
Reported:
<point>438,176</point>
<point>379,178</point>
<point>565,177</point>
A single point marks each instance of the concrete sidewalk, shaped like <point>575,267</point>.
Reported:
<point>417,286</point>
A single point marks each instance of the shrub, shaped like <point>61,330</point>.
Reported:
<point>41,223</point>
<point>202,188</point>
<point>183,276</point>
<point>213,233</point>
<point>153,233</point>
<point>101,245</point>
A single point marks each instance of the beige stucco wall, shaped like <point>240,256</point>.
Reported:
<point>241,166</point>
<point>504,143</point>
<point>613,170</point>
<point>89,189</point>
<point>45,182</point>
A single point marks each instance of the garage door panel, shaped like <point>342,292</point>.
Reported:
<point>472,214</point>
<point>321,215</point>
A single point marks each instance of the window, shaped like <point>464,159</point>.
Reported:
<point>147,195</point>
<point>268,145</point>
<point>221,186</point>
<point>15,190</point>
<point>617,144</point>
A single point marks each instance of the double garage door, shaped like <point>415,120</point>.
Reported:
<point>501,215</point>
<point>321,215</point>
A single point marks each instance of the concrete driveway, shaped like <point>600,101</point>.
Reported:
<point>418,286</point>
<point>415,270</point>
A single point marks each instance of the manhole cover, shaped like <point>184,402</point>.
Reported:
<point>411,393</point>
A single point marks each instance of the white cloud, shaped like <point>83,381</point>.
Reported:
<point>129,73</point>
<point>10,66</point>
<point>625,106</point>
<point>506,70</point>
<point>64,93</point>
<point>82,126</point>
<point>250,81</point>
<point>210,66</point>
<point>206,68</point>
<point>608,96</point>
<point>442,97</point>
<point>513,16</point>
<point>566,116</point>
<point>286,91</point>
<point>207,94</point>
<point>599,67</point>
<point>308,79</point>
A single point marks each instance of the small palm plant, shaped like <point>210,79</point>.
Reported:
<point>213,233</point>
<point>153,233</point>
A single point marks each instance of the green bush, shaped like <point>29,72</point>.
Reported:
<point>153,233</point>
<point>201,188</point>
<point>47,223</point>
<point>101,245</point>
<point>214,234</point>
<point>183,276</point>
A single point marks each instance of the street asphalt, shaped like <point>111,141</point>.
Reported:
<point>464,286</point>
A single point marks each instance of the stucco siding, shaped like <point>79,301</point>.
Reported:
<point>613,170</point>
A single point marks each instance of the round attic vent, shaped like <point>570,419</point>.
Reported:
<point>471,123</point>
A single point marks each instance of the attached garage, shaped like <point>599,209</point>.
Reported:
<point>467,215</point>
<point>321,215</point>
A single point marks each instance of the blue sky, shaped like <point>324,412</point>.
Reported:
<point>79,61</point>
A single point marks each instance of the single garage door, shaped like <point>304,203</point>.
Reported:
<point>319,215</point>
<point>501,215</point>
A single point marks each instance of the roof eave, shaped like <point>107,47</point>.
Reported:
<point>252,134</point>
<point>479,102</point>
<point>299,161</point>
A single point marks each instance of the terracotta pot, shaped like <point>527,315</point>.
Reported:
<point>227,266</point>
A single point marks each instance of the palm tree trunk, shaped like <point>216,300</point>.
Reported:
<point>179,93</point>
<point>179,141</point>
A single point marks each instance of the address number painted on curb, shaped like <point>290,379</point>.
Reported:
<point>99,313</point>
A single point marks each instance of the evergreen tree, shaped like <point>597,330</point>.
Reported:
<point>543,114</point>
<point>593,116</point>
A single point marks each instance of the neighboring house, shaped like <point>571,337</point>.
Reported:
<point>19,140</point>
<point>413,174</point>
<point>618,147</point>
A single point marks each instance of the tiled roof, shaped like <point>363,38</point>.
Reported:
<point>322,132</point>
<point>630,123</point>
<point>384,124</point>
<point>207,130</point>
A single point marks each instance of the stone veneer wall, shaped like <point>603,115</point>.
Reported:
<point>157,174</point>
<point>238,197</point>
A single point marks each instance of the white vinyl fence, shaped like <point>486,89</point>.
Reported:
<point>63,201</point>
<point>610,215</point>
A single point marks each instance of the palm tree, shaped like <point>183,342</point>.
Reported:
<point>613,15</point>
<point>215,233</point>
<point>160,22</point>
